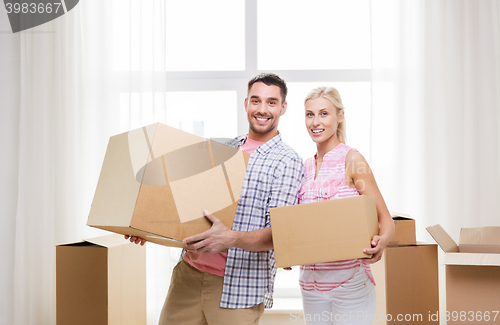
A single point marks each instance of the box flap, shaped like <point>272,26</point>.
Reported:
<point>117,188</point>
<point>108,241</point>
<point>472,259</point>
<point>400,216</point>
<point>444,240</point>
<point>480,240</point>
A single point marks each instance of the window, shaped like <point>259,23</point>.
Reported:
<point>186,64</point>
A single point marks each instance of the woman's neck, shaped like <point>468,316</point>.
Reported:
<point>326,146</point>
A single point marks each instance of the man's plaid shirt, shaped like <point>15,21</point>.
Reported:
<point>273,178</point>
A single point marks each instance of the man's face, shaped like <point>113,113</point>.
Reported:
<point>264,107</point>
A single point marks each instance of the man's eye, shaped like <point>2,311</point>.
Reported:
<point>272,103</point>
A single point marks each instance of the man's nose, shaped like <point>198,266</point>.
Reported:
<point>262,108</point>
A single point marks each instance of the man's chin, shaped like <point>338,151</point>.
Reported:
<point>262,130</point>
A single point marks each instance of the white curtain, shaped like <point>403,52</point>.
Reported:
<point>435,128</point>
<point>436,110</point>
<point>60,105</point>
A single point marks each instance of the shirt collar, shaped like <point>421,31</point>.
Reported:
<point>265,147</point>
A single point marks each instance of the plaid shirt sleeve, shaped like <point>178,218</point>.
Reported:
<point>273,178</point>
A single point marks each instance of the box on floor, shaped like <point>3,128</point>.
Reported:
<point>407,284</point>
<point>472,274</point>
<point>101,281</point>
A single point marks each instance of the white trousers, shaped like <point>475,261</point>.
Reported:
<point>353,303</point>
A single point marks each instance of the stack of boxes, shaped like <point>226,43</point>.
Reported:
<point>407,278</point>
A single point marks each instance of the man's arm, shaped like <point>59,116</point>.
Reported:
<point>284,191</point>
<point>219,238</point>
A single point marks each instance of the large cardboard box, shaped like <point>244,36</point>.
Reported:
<point>404,233</point>
<point>407,285</point>
<point>472,279</point>
<point>332,230</point>
<point>156,181</point>
<point>101,281</point>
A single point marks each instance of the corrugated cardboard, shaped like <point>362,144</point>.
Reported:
<point>101,281</point>
<point>404,233</point>
<point>472,288</point>
<point>480,240</point>
<point>407,285</point>
<point>472,240</point>
<point>472,279</point>
<point>156,181</point>
<point>332,230</point>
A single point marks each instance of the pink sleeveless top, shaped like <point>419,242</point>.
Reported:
<point>330,184</point>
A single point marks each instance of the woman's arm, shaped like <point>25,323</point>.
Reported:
<point>359,175</point>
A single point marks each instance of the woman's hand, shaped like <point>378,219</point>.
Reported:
<point>378,245</point>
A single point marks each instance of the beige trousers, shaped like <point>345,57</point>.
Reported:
<point>194,297</point>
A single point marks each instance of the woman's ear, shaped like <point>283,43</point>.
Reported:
<point>340,117</point>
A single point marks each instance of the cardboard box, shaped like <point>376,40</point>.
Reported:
<point>156,181</point>
<point>404,233</point>
<point>472,279</point>
<point>407,285</point>
<point>332,230</point>
<point>472,240</point>
<point>101,281</point>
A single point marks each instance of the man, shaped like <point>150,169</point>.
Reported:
<point>209,287</point>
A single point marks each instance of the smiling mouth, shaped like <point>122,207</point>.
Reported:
<point>317,131</point>
<point>262,119</point>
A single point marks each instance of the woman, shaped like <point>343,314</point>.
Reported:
<point>339,292</point>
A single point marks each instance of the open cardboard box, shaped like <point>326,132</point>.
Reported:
<point>404,233</point>
<point>472,278</point>
<point>101,281</point>
<point>332,230</point>
<point>407,285</point>
<point>156,181</point>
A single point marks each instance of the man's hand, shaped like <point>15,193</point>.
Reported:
<point>215,240</point>
<point>378,245</point>
<point>136,240</point>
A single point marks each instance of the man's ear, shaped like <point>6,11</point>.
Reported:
<point>246,104</point>
<point>283,108</point>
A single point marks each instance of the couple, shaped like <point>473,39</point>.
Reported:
<point>210,287</point>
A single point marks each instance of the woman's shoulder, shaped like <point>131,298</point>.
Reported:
<point>353,155</point>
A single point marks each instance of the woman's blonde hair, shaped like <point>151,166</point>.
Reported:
<point>333,95</point>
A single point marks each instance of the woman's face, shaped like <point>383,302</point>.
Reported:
<point>322,119</point>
